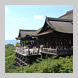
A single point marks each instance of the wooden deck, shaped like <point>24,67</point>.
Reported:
<point>43,51</point>
<point>25,58</point>
<point>48,53</point>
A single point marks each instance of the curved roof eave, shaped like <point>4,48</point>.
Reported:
<point>63,27</point>
<point>59,25</point>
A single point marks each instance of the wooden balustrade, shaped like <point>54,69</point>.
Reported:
<point>63,51</point>
<point>25,52</point>
<point>49,50</point>
<point>43,50</point>
<point>56,51</point>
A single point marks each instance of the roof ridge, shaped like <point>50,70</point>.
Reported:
<point>67,13</point>
<point>58,19</point>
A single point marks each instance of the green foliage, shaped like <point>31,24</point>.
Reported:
<point>9,45</point>
<point>17,44</point>
<point>9,58</point>
<point>49,65</point>
<point>9,50</point>
<point>26,41</point>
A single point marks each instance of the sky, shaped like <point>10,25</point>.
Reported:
<point>29,17</point>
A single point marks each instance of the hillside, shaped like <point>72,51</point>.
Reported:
<point>50,65</point>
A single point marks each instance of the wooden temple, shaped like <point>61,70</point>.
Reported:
<point>55,36</point>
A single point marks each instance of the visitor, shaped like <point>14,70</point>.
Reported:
<point>34,49</point>
<point>41,47</point>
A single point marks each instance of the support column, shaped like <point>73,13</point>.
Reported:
<point>41,55</point>
<point>58,42</point>
<point>25,42</point>
<point>63,41</point>
<point>46,56</point>
<point>28,42</point>
<point>20,42</point>
<point>67,43</point>
<point>31,41</point>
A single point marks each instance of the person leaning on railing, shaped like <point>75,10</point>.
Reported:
<point>34,49</point>
<point>41,47</point>
<point>28,50</point>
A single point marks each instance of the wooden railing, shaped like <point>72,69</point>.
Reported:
<point>56,51</point>
<point>26,51</point>
<point>49,50</point>
<point>63,51</point>
<point>43,50</point>
<point>21,50</point>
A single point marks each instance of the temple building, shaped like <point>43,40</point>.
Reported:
<point>56,35</point>
<point>26,37</point>
<point>55,32</point>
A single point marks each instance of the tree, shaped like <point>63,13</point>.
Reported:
<point>17,44</point>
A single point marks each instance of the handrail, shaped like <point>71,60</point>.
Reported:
<point>49,50</point>
<point>26,51</point>
<point>57,51</point>
<point>63,51</point>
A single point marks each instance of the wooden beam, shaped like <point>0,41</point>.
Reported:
<point>18,64</point>
<point>49,53</point>
<point>21,61</point>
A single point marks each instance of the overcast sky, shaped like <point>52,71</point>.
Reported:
<point>30,17</point>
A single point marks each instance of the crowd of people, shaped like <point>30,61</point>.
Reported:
<point>25,49</point>
<point>36,49</point>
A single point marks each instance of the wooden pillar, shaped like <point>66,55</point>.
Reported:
<point>41,55</point>
<point>46,56</point>
<point>63,43</point>
<point>20,41</point>
<point>34,41</point>
<point>54,43</point>
<point>67,43</point>
<point>25,42</point>
<point>58,42</point>
<point>28,41</point>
